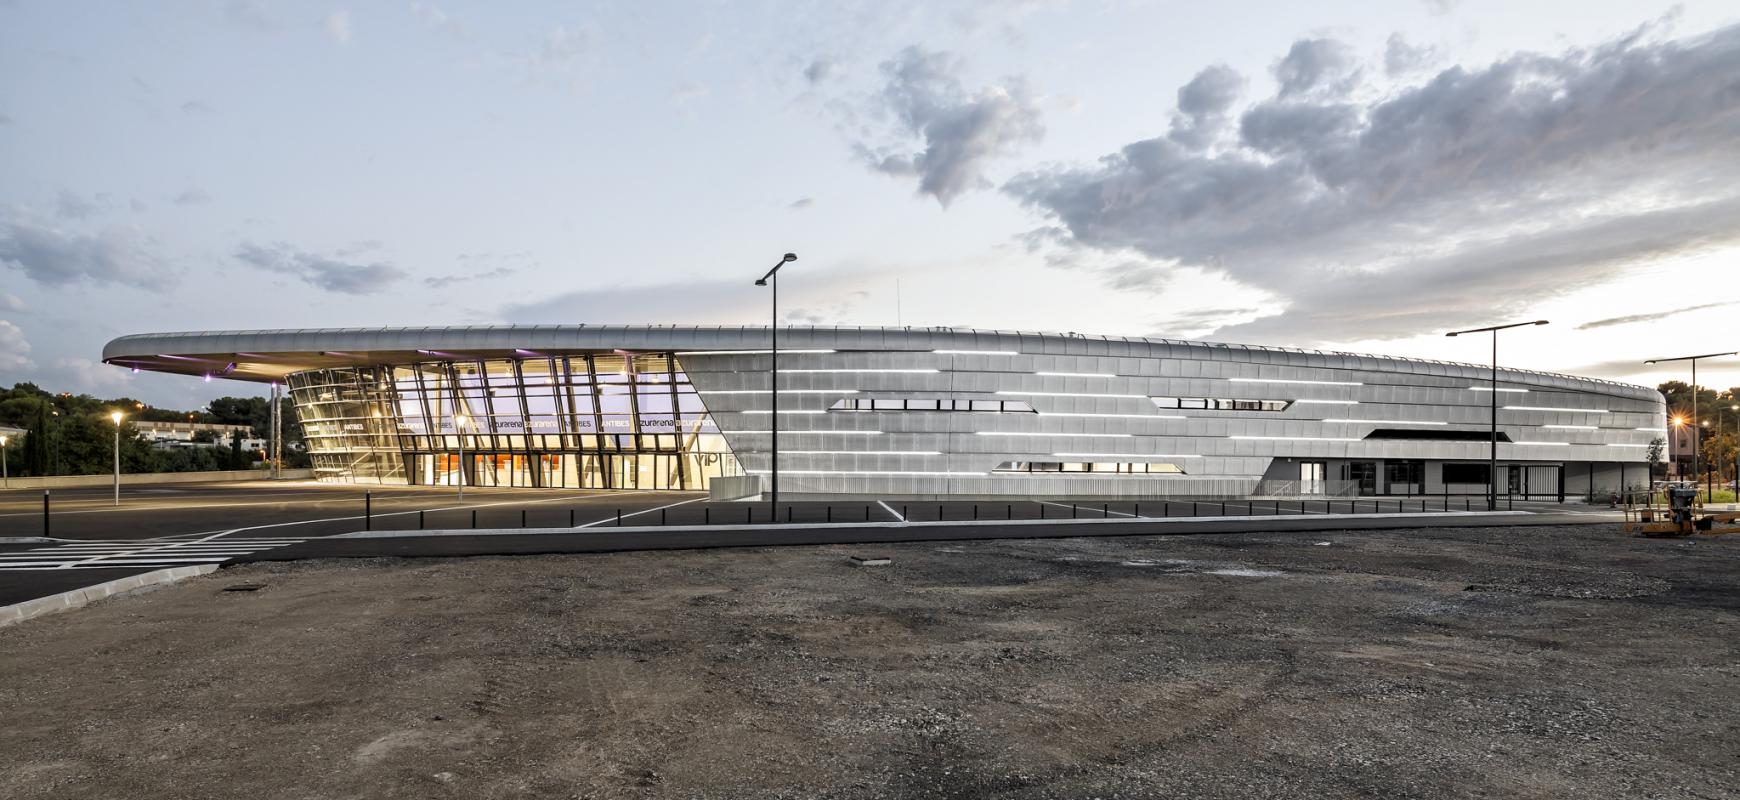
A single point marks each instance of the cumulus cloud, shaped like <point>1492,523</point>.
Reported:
<point>53,256</point>
<point>1442,202</point>
<point>819,70</point>
<point>945,135</point>
<point>1203,105</point>
<point>14,348</point>
<point>1403,58</point>
<point>10,302</point>
<point>1651,317</point>
<point>330,274</point>
<point>74,206</point>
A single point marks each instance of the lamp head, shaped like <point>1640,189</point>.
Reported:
<point>116,416</point>
<point>789,257</point>
<point>760,281</point>
<point>2,441</point>
<point>1540,322</point>
<point>1451,335</point>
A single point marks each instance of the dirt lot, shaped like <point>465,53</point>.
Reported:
<point>1523,662</point>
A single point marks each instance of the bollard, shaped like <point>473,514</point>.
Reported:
<point>1193,508</point>
<point>474,519</point>
<point>570,517</point>
<point>45,513</point>
<point>1009,511</point>
<point>830,513</point>
<point>419,520</point>
<point>1137,511</point>
<point>707,516</point>
<point>866,513</point>
<point>788,513</point>
<point>661,516</point>
<point>939,514</point>
<point>522,518</point>
<point>1105,510</point>
<point>1465,505</point>
<point>1072,511</point>
<point>1223,508</point>
<point>1042,511</point>
<point>619,518</point>
<point>368,511</point>
<point>748,515</point>
<point>903,514</point>
<point>975,511</point>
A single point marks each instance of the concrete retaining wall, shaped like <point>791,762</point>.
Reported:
<point>154,478</point>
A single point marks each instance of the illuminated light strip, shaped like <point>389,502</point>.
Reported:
<point>1296,438</point>
<point>1490,389</point>
<point>1288,380</point>
<point>891,371</point>
<point>842,433</point>
<point>1329,402</point>
<point>1126,455</point>
<point>1075,374</point>
<point>859,472</point>
<point>1029,433</point>
<point>744,352</point>
<point>1549,408</point>
<point>785,391</point>
<point>1544,444</point>
<point>861,452</point>
<point>1385,422</point>
<point>1652,430</point>
<point>1074,394</point>
<point>1573,427</point>
<point>976,352</point>
<point>1117,416</point>
<point>787,411</point>
<point>1622,445</point>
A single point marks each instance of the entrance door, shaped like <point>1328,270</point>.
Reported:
<point>1311,477</point>
<point>1364,473</point>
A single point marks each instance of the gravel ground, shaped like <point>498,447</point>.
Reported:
<point>1495,662</point>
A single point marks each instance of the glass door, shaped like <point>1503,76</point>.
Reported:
<point>1311,477</point>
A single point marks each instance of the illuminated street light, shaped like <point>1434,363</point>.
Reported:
<point>773,386</point>
<point>1697,436</point>
<point>116,416</point>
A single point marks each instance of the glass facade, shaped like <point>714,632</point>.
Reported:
<point>605,421</point>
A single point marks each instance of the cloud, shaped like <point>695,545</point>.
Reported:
<point>1651,317</point>
<point>192,197</point>
<point>1203,104</point>
<point>55,257</point>
<point>1315,66</point>
<point>11,302</point>
<point>957,133</point>
<point>443,281</point>
<point>823,298</point>
<point>819,70</point>
<point>435,19</point>
<point>14,348</point>
<point>801,203</point>
<point>319,271</point>
<point>72,206</point>
<point>1402,58</point>
<point>1468,193</point>
<point>193,107</point>
<point>337,26</point>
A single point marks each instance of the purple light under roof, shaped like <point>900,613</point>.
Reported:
<point>524,352</point>
<point>178,358</point>
<point>208,377</point>
<point>440,354</point>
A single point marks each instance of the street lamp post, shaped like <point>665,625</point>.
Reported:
<point>1696,430</point>
<point>773,386</point>
<point>116,416</point>
<point>1492,455</point>
<point>5,477</point>
<point>459,432</point>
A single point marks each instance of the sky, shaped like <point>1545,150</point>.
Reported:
<point>1359,176</point>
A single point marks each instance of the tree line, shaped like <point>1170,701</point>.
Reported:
<point>72,434</point>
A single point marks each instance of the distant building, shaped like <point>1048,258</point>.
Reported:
<point>170,435</point>
<point>11,433</point>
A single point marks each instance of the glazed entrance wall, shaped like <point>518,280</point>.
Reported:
<point>603,421</point>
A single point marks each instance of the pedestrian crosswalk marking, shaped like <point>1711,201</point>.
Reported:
<point>101,554</point>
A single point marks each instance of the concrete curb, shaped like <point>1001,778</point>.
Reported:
<point>27,540</point>
<point>735,528</point>
<point>77,598</point>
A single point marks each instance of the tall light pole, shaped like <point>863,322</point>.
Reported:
<point>1492,457</point>
<point>5,477</point>
<point>116,416</point>
<point>459,431</point>
<point>1697,432</point>
<point>773,385</point>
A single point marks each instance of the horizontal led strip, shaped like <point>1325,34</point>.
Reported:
<point>830,433</point>
<point>860,472</point>
<point>1126,455</point>
<point>785,411</point>
<point>1549,408</point>
<point>976,352</point>
<point>1384,422</point>
<point>1027,433</point>
<point>1287,380</point>
<point>1544,444</point>
<point>857,371</point>
<point>782,391</point>
<point>1573,427</point>
<point>1328,402</point>
<point>1296,438</point>
<point>1074,394</point>
<point>1075,375</point>
<point>1490,389</point>
<point>744,352</point>
<point>859,452</point>
<point>1114,416</point>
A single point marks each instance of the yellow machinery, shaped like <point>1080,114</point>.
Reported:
<point>1681,514</point>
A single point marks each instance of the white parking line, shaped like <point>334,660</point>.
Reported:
<point>638,513</point>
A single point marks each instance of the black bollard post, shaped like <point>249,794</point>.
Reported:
<point>1009,511</point>
<point>662,516</point>
<point>748,515</point>
<point>903,514</point>
<point>830,512</point>
<point>1193,508</point>
<point>619,518</point>
<point>707,516</point>
<point>1105,511</point>
<point>1073,508</point>
<point>368,511</point>
<point>570,517</point>
<point>975,511</point>
<point>788,513</point>
<point>474,519</point>
<point>419,520</point>
<point>866,513</point>
<point>45,514</point>
<point>522,518</point>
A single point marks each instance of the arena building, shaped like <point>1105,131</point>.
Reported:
<point>918,412</point>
